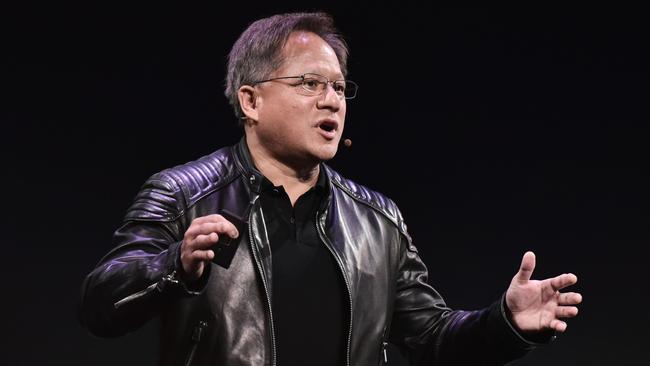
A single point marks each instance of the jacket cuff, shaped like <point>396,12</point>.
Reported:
<point>500,316</point>
<point>174,266</point>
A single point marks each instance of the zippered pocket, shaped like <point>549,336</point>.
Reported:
<point>197,333</point>
<point>383,351</point>
<point>171,278</point>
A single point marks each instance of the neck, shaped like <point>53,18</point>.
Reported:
<point>295,178</point>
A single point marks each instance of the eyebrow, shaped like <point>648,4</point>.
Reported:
<point>337,77</point>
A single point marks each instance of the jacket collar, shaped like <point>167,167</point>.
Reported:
<point>245,164</point>
<point>254,178</point>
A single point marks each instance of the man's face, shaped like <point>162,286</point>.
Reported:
<point>293,127</point>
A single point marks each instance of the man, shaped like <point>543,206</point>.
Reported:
<point>260,254</point>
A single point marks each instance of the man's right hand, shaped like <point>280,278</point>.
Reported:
<point>202,234</point>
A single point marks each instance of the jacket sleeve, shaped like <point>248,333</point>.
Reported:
<point>134,281</point>
<point>429,333</point>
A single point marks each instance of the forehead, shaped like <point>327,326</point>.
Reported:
<point>307,52</point>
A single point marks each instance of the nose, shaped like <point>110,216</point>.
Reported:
<point>329,99</point>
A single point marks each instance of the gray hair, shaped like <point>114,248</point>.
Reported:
<point>258,51</point>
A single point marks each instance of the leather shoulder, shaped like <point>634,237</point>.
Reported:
<point>372,199</point>
<point>167,194</point>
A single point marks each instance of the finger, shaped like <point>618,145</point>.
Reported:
<point>209,227</point>
<point>204,241</point>
<point>192,261</point>
<point>203,255</point>
<point>563,280</point>
<point>204,228</point>
<point>566,311</point>
<point>216,218</point>
<point>558,325</point>
<point>208,218</point>
<point>220,226</point>
<point>228,228</point>
<point>201,242</point>
<point>526,268</point>
<point>569,298</point>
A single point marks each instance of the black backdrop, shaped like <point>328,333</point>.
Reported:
<point>496,130</point>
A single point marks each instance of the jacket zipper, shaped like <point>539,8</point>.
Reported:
<point>258,262</point>
<point>323,237</point>
<point>197,332</point>
<point>171,278</point>
<point>384,344</point>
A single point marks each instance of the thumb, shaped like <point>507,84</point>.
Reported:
<point>527,267</point>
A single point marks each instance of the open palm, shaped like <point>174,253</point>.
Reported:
<point>538,305</point>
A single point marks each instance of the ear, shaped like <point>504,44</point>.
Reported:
<point>248,102</point>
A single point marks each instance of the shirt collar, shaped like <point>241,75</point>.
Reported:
<point>320,187</point>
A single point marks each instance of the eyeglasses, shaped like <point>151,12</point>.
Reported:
<point>314,84</point>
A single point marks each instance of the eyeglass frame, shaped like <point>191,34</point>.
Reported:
<point>302,83</point>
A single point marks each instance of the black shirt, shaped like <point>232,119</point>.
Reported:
<point>308,292</point>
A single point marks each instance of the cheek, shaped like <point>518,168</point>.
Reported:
<point>299,115</point>
<point>341,113</point>
<point>305,106</point>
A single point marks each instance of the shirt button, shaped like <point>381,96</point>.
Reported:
<point>292,220</point>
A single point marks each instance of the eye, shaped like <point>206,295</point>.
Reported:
<point>311,84</point>
<point>339,87</point>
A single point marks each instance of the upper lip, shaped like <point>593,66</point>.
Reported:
<point>328,122</point>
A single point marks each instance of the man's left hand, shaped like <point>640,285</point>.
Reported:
<point>536,306</point>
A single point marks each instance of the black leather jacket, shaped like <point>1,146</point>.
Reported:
<point>226,317</point>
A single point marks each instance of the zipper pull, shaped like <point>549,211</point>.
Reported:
<point>170,278</point>
<point>136,295</point>
<point>198,331</point>
<point>385,352</point>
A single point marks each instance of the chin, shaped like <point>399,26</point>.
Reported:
<point>327,152</point>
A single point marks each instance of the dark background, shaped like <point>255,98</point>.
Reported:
<point>496,131</point>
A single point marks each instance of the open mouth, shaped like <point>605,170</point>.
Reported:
<point>328,126</point>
